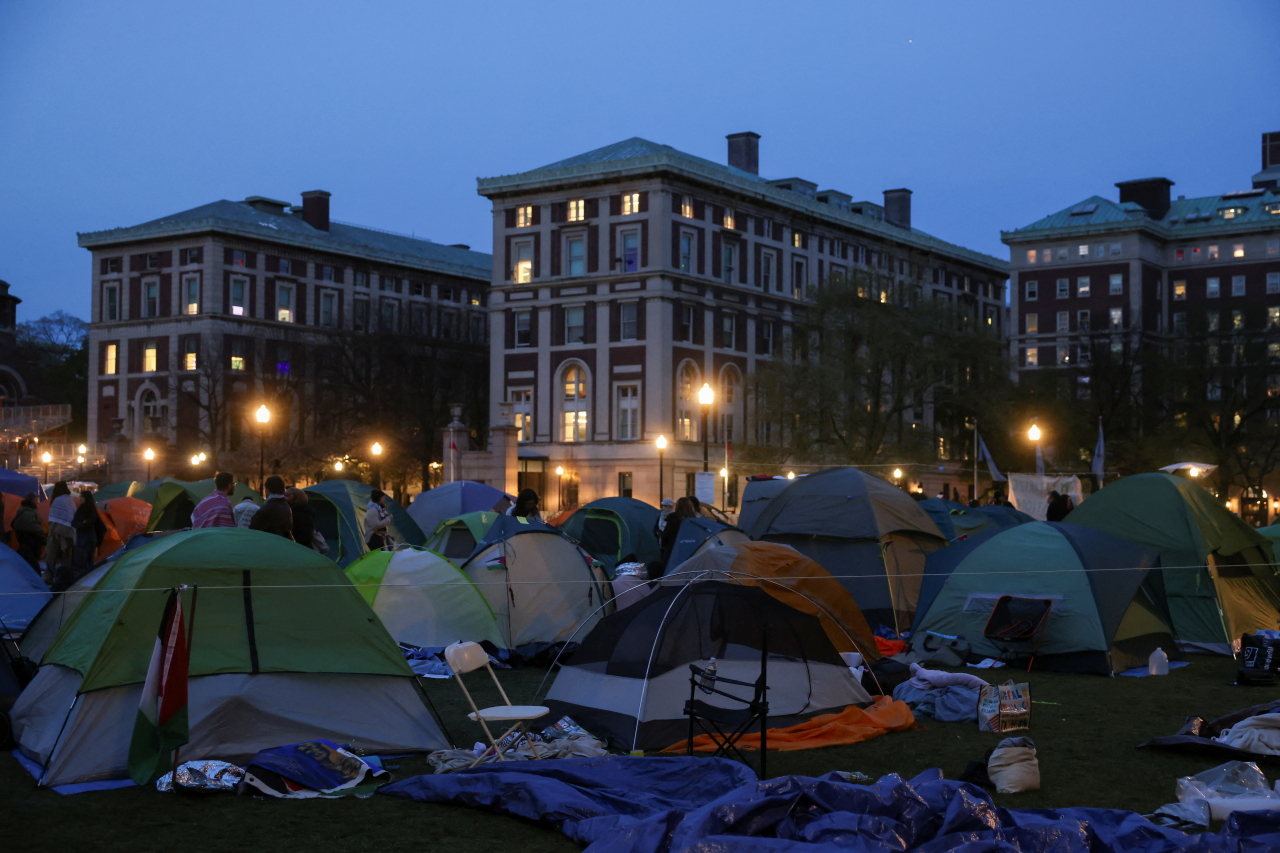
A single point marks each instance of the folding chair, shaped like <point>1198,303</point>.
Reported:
<point>1017,621</point>
<point>467,657</point>
<point>714,720</point>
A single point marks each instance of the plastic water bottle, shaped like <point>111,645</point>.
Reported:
<point>708,680</point>
<point>1158,663</point>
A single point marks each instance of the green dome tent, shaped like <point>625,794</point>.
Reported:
<point>456,538</point>
<point>339,508</point>
<point>1108,610</point>
<point>611,528</point>
<point>173,501</point>
<point>284,649</point>
<point>1219,573</point>
<point>954,519</point>
<point>423,599</point>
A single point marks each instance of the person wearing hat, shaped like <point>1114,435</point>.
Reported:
<point>668,506</point>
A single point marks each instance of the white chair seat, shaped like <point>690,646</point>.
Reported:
<point>499,713</point>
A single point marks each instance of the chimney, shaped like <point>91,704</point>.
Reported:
<point>315,209</point>
<point>744,151</point>
<point>1269,177</point>
<point>897,207</point>
<point>1152,194</point>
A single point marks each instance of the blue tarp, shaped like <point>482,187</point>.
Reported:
<point>22,592</point>
<point>13,483</point>
<point>654,805</point>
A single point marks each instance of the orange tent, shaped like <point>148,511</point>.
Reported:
<point>793,579</point>
<point>110,543</point>
<point>129,515</point>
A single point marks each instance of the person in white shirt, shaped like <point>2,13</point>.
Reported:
<point>62,536</point>
<point>244,511</point>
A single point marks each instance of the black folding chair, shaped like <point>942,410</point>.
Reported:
<point>726,726</point>
<point>1018,622</point>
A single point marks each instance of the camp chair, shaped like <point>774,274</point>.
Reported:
<point>467,657</point>
<point>1016,621</point>
<point>714,720</point>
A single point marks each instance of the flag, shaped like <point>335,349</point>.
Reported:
<point>1099,452</point>
<point>1039,461</point>
<point>984,455</point>
<point>453,447</point>
<point>161,726</point>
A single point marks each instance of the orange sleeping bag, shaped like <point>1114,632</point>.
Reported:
<point>852,725</point>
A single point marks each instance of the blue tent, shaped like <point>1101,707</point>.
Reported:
<point>339,507</point>
<point>13,483</point>
<point>956,520</point>
<point>756,496</point>
<point>22,592</point>
<point>697,535</point>
<point>454,499</point>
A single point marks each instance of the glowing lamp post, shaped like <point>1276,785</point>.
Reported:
<point>150,454</point>
<point>337,466</point>
<point>705,397</point>
<point>1193,471</point>
<point>264,417</point>
<point>791,475</point>
<point>46,458</point>
<point>560,486</point>
<point>377,465</point>
<point>662,446</point>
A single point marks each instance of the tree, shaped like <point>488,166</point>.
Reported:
<point>57,349</point>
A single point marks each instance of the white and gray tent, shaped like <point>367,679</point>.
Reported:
<point>629,679</point>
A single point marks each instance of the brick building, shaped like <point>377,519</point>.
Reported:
<point>198,316</point>
<point>627,277</point>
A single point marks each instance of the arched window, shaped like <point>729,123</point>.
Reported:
<point>575,404</point>
<point>686,403</point>
<point>731,419</point>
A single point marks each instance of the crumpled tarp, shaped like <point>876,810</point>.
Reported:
<point>852,725</point>
<point>1197,736</point>
<point>654,805</point>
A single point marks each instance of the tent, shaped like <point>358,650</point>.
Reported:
<point>457,538</point>
<point>540,585</point>
<point>423,599</point>
<point>13,483</point>
<point>110,542</point>
<point>701,534</point>
<point>128,515</point>
<point>339,508</point>
<point>117,490</point>
<point>955,519</point>
<point>175,500</point>
<point>284,649</point>
<point>1108,610</point>
<point>793,579</point>
<point>1219,573</point>
<point>22,592</point>
<point>433,506</point>
<point>611,528</point>
<point>866,531</point>
<point>756,496</point>
<point>629,679</point>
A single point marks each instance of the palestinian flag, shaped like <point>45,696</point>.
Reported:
<point>162,714</point>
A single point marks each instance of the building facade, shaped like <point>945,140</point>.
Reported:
<point>199,316</point>
<point>626,278</point>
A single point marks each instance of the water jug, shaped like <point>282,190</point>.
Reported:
<point>1158,663</point>
<point>708,680</point>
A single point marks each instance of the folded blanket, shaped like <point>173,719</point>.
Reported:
<point>1256,734</point>
<point>851,725</point>
<point>928,679</point>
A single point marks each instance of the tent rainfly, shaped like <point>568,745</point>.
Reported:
<point>699,534</point>
<point>175,500</point>
<point>433,506</point>
<point>756,496</point>
<point>22,592</point>
<point>339,506</point>
<point>611,528</point>
<point>955,519</point>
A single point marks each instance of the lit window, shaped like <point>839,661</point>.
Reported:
<point>1213,253</point>
<point>629,320</point>
<point>577,210</point>
<point>1045,256</point>
<point>1273,247</point>
<point>575,405</point>
<point>630,251</point>
<point>766,270</point>
<point>523,263</point>
<point>237,258</point>
<point>1117,319</point>
<point>1033,324</point>
<point>686,427</point>
<point>576,252</point>
<point>574,325</point>
<point>150,299</point>
<point>1083,251</point>
<point>944,448</point>
<point>327,314</point>
<point>524,216</point>
<point>1117,284</point>
<point>109,362</point>
<point>728,330</point>
<point>1064,354</point>
<point>1273,317</point>
<point>1211,288</point>
<point>1273,282</point>
<point>686,252</point>
<point>149,357</point>
<point>237,353</point>
<point>524,332</point>
<point>238,288</point>
<point>1237,285</point>
<point>630,203</point>
<point>1082,286</point>
<point>686,206</point>
<point>1032,290</point>
<point>522,408</point>
<point>111,307</point>
<point>1031,256</point>
<point>189,355</point>
<point>1231,212</point>
<point>1082,321</point>
<point>796,239</point>
<point>1214,321</point>
<point>628,412</point>
<point>1033,357</point>
<point>1064,321</point>
<point>1237,320</point>
<point>1115,248</point>
<point>1237,250</point>
<point>1064,288</point>
<point>1179,290</point>
<point>284,304</point>
<point>728,217</point>
<point>193,294</point>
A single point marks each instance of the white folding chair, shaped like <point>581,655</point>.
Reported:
<point>467,657</point>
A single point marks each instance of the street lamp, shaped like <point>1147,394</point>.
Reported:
<point>560,487</point>
<point>662,446</point>
<point>705,397</point>
<point>337,466</point>
<point>1194,471</point>
<point>47,459</point>
<point>263,415</point>
<point>791,475</point>
<point>724,475</point>
<point>150,454</point>
<point>82,450</point>
<point>377,467</point>
<point>195,460</point>
<point>1034,433</point>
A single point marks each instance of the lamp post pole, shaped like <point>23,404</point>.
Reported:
<point>662,446</point>
<point>263,415</point>
<point>706,397</point>
<point>47,457</point>
<point>150,454</point>
<point>377,465</point>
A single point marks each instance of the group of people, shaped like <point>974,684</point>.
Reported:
<point>71,540</point>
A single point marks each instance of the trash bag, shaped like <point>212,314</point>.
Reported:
<point>1013,766</point>
<point>1215,793</point>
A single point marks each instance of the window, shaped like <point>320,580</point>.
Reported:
<point>282,360</point>
<point>1032,256</point>
<point>686,323</point>
<point>1033,357</point>
<point>1273,317</point>
<point>686,429</point>
<point>1213,390</point>
<point>238,288</point>
<point>1082,286</point>
<point>1033,324</point>
<point>237,353</point>
<point>1083,251</point>
<point>1273,282</point>
<point>1117,350</point>
<point>1195,253</point>
<point>284,304</point>
<point>686,252</point>
<point>766,336</point>
<point>1082,356</point>
<point>1273,247</point>
<point>522,408</point>
<point>575,331</point>
<point>728,217</point>
<point>1273,353</point>
<point>1117,284</point>
<point>360,315</point>
<point>1179,256</point>
<point>1064,288</point>
<point>149,357</point>
<point>390,315</point>
<point>1237,285</point>
<point>523,263</point>
<point>729,262</point>
<point>113,266</point>
<point>1064,321</point>
<point>686,206</point>
<point>422,320</point>
<point>388,283</point>
<point>798,280</point>
<point>624,484</point>
<point>766,270</point>
<point>837,273</point>
<point>1179,291</point>
<point>1099,251</point>
<point>1237,320</point>
<point>151,299</point>
<point>1211,288</point>
<point>629,316</point>
<point>630,251</point>
<point>109,361</point>
<point>728,330</point>
<point>796,239</point>
<point>1214,321</point>
<point>1064,354</point>
<point>1237,250</point>
<point>447,294</point>
<point>1117,319</point>
<point>574,415</point>
<point>111,304</point>
<point>524,333</point>
<point>285,266</point>
<point>190,256</point>
<point>575,250</point>
<point>1179,323</point>
<point>1045,257</point>
<point>577,210</point>
<point>192,287</point>
<point>1032,288</point>
<point>326,273</point>
<point>628,412</point>
<point>524,216</point>
<point>362,279</point>
<point>1082,321</point>
<point>944,448</point>
<point>1115,248</point>
<point>1213,253</point>
<point>237,258</point>
<point>327,313</point>
<point>630,203</point>
<point>152,261</point>
<point>189,355</point>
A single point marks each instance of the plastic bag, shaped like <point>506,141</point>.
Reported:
<point>204,776</point>
<point>1004,708</point>
<point>1013,766</point>
<point>1215,793</point>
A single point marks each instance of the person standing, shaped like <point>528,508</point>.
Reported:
<point>275,515</point>
<point>684,509</point>
<point>61,535</point>
<point>29,529</point>
<point>90,531</point>
<point>304,517</point>
<point>215,510</point>
<point>244,512</point>
<point>377,521</point>
<point>526,506</point>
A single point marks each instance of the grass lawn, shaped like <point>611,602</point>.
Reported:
<point>1085,727</point>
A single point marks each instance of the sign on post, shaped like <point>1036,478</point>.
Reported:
<point>704,487</point>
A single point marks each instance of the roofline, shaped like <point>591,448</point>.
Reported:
<point>758,190</point>
<point>1151,227</point>
<point>215,224</point>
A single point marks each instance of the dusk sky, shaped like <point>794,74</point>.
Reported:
<point>112,114</point>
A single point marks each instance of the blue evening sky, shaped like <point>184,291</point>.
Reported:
<point>995,114</point>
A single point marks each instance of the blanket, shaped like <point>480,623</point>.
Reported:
<point>851,725</point>
<point>1258,734</point>
<point>1199,736</point>
<point>954,704</point>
